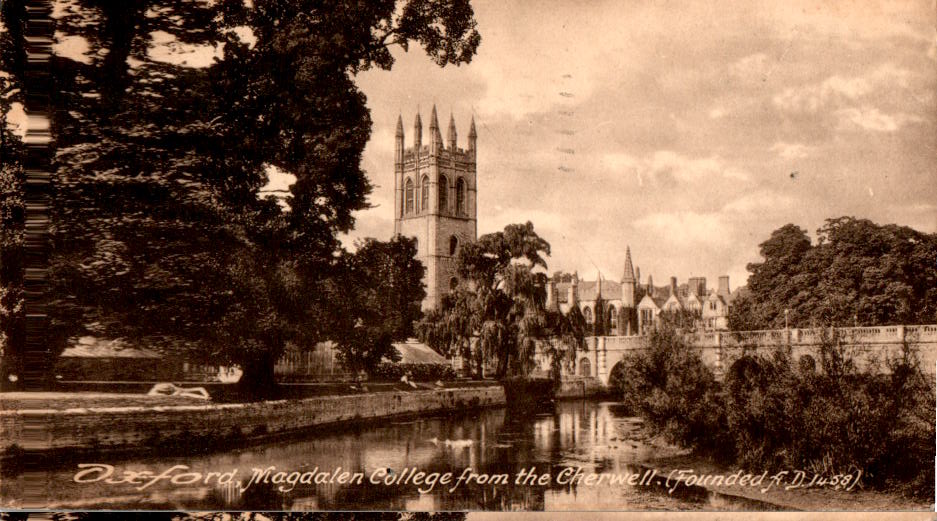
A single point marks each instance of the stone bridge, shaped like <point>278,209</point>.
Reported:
<point>720,349</point>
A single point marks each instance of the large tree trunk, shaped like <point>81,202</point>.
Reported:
<point>258,381</point>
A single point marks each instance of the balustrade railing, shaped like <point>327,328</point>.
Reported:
<point>793,336</point>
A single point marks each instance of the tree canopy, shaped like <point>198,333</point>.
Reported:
<point>857,273</point>
<point>499,306</point>
<point>376,301</point>
<point>162,235</point>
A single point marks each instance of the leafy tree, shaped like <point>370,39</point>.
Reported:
<point>858,272</point>
<point>161,235</point>
<point>377,301</point>
<point>499,305</point>
<point>12,327</point>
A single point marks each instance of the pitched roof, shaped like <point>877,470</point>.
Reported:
<point>415,352</point>
<point>588,290</point>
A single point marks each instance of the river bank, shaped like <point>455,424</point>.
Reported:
<point>153,422</point>
<point>677,464</point>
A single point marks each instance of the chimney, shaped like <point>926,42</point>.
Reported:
<point>673,286</point>
<point>574,291</point>
<point>637,275</point>
<point>650,285</point>
<point>724,285</point>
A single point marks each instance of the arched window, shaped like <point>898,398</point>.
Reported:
<point>587,314</point>
<point>424,193</point>
<point>409,192</point>
<point>443,194</point>
<point>453,283</point>
<point>612,320</point>
<point>453,245</point>
<point>585,367</point>
<point>460,196</point>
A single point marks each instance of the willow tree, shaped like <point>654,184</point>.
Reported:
<point>499,305</point>
<point>162,236</point>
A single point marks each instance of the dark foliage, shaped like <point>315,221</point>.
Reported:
<point>497,314</point>
<point>375,301</point>
<point>857,273</point>
<point>162,235</point>
<point>386,372</point>
<point>828,416</point>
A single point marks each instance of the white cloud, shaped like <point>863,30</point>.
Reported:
<point>870,118</point>
<point>717,112</point>
<point>758,203</point>
<point>839,90</point>
<point>685,228</point>
<point>791,150</point>
<point>668,163</point>
<point>752,69</point>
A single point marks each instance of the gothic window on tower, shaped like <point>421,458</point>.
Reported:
<point>587,314</point>
<point>424,193</point>
<point>612,319</point>
<point>453,245</point>
<point>409,192</point>
<point>460,196</point>
<point>443,194</point>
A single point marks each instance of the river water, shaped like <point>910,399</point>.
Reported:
<point>581,438</point>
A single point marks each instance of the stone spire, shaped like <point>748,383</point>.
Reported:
<point>628,276</point>
<point>453,137</point>
<point>628,283</point>
<point>399,132</point>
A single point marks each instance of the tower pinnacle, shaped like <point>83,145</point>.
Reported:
<point>452,133</point>
<point>629,268</point>
<point>434,132</point>
<point>418,132</point>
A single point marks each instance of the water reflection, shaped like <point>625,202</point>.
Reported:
<point>590,435</point>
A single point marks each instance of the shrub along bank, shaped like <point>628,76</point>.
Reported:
<point>415,372</point>
<point>772,414</point>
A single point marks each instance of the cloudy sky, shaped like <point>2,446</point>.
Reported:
<point>688,131</point>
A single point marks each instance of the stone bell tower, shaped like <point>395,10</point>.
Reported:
<point>434,200</point>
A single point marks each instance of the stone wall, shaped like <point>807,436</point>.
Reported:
<point>118,428</point>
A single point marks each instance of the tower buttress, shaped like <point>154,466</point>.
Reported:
<point>398,174</point>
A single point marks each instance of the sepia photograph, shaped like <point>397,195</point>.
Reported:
<point>441,260</point>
